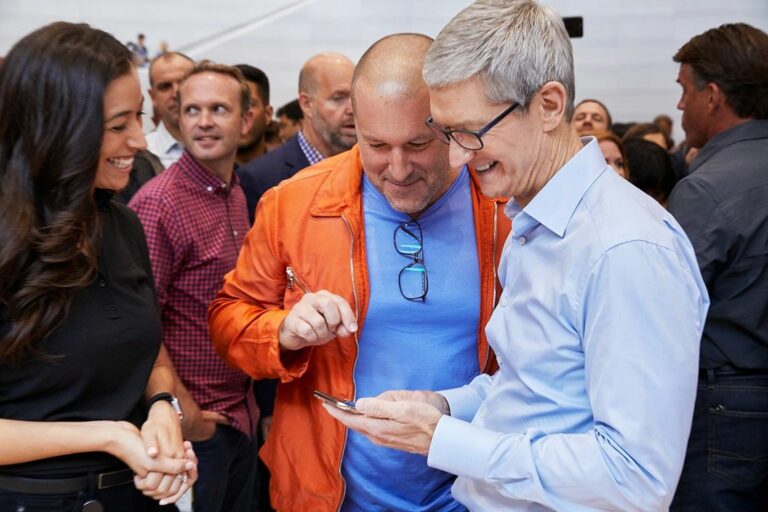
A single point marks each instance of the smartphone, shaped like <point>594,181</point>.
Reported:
<point>339,404</point>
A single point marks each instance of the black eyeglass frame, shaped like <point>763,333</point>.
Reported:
<point>445,136</point>
<point>417,258</point>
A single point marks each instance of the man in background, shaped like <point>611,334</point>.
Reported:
<point>253,144</point>
<point>289,118</point>
<point>328,128</point>
<point>195,220</point>
<point>723,206</point>
<point>165,74</point>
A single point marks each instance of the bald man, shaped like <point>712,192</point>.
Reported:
<point>325,83</point>
<point>343,286</point>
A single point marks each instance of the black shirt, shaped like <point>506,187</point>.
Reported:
<point>723,208</point>
<point>107,347</point>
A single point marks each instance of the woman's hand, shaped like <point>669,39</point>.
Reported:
<point>162,436</point>
<point>124,441</point>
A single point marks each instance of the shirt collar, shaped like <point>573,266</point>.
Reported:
<point>312,154</point>
<point>203,178</point>
<point>165,140</point>
<point>555,204</point>
<point>752,129</point>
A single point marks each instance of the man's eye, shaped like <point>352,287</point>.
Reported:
<point>191,110</point>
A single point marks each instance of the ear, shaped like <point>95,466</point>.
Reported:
<point>247,122</point>
<point>305,102</point>
<point>715,98</point>
<point>552,105</point>
<point>269,112</point>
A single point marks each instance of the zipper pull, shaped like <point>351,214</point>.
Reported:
<point>291,277</point>
<point>293,280</point>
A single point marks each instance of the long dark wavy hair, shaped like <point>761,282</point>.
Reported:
<point>52,87</point>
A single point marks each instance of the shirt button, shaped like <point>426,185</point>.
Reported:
<point>209,188</point>
<point>102,283</point>
<point>234,233</point>
<point>504,301</point>
<point>522,240</point>
<point>499,360</point>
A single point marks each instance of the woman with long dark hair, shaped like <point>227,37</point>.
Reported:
<point>86,418</point>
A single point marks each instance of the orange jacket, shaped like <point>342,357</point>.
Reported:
<point>313,225</point>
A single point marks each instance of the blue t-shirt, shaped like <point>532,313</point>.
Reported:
<point>414,345</point>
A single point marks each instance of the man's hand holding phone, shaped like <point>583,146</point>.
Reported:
<point>404,420</point>
<point>315,320</point>
<point>336,402</point>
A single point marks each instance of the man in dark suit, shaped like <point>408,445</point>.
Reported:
<point>328,129</point>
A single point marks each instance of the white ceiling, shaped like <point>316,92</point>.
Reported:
<point>623,59</point>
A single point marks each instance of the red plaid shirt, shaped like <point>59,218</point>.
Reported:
<point>195,225</point>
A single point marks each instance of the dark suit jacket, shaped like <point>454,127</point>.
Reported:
<point>263,173</point>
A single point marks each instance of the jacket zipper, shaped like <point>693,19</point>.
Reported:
<point>495,277</point>
<point>357,317</point>
<point>294,280</point>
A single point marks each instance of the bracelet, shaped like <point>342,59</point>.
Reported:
<point>167,397</point>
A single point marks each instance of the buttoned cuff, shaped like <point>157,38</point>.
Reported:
<point>461,448</point>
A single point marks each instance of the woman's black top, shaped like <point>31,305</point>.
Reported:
<point>104,350</point>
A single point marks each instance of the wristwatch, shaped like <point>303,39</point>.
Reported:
<point>167,397</point>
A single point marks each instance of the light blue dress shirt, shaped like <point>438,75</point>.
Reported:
<point>597,335</point>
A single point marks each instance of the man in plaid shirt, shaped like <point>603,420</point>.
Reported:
<point>195,218</point>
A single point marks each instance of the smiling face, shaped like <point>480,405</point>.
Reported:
<point>510,163</point>
<point>212,120</point>
<point>123,135</point>
<point>401,156</point>
<point>589,117</point>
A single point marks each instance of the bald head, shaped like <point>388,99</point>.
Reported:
<point>401,156</point>
<point>324,98</point>
<point>392,67</point>
<point>313,71</point>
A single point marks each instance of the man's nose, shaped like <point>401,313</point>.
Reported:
<point>457,155</point>
<point>398,164</point>
<point>206,118</point>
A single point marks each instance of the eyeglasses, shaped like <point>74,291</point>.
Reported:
<point>412,279</point>
<point>468,139</point>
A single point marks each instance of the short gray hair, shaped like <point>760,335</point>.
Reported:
<point>514,47</point>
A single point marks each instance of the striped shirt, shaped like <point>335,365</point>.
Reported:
<point>195,225</point>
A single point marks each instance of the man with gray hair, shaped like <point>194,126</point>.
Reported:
<point>343,286</point>
<point>591,406</point>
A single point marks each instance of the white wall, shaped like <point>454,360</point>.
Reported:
<point>624,58</point>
